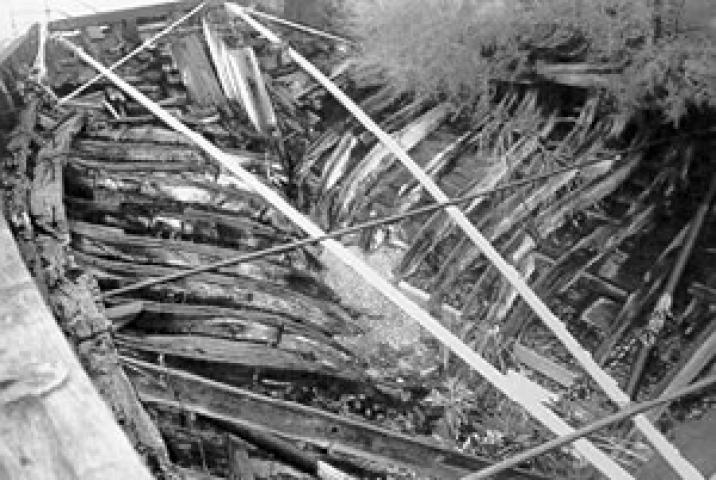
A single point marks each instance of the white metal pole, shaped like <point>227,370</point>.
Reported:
<point>672,456</point>
<point>40,65</point>
<point>514,390</point>
<point>299,26</point>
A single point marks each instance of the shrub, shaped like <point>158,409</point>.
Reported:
<point>457,48</point>
<point>675,77</point>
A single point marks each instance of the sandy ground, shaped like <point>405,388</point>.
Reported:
<point>384,322</point>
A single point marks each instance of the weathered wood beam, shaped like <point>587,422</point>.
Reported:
<point>137,151</point>
<point>198,75</point>
<point>114,243</point>
<point>294,420</point>
<point>138,214</point>
<point>54,425</point>
<point>235,362</point>
<point>228,323</point>
<point>258,294</point>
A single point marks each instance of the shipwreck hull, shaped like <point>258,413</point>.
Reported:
<point>127,355</point>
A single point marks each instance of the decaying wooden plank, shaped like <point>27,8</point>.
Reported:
<point>296,421</point>
<point>241,79</point>
<point>545,366</point>
<point>136,151</point>
<point>380,158</point>
<point>259,294</point>
<point>46,198</point>
<point>197,72</point>
<point>124,314</point>
<point>228,323</point>
<point>653,280</point>
<point>662,310</point>
<point>177,253</point>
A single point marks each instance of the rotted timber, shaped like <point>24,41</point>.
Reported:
<point>330,432</point>
<point>246,325</point>
<point>256,294</point>
<point>237,362</point>
<point>113,243</point>
<point>637,300</point>
<point>137,213</point>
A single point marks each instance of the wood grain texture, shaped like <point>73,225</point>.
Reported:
<point>196,70</point>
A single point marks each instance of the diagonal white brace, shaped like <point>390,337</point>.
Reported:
<point>670,454</point>
<point>40,65</point>
<point>146,44</point>
<point>509,387</point>
<point>300,27</point>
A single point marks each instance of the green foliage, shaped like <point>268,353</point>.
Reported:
<point>433,46</point>
<point>675,76</point>
<point>456,49</point>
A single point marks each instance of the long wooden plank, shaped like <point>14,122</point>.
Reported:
<point>292,419</point>
<point>231,360</point>
<point>196,70</point>
<point>61,429</point>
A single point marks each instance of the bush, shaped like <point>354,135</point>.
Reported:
<point>456,49</point>
<point>676,77</point>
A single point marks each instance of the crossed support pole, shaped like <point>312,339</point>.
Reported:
<point>517,388</point>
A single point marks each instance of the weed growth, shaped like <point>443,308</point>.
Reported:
<point>460,49</point>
